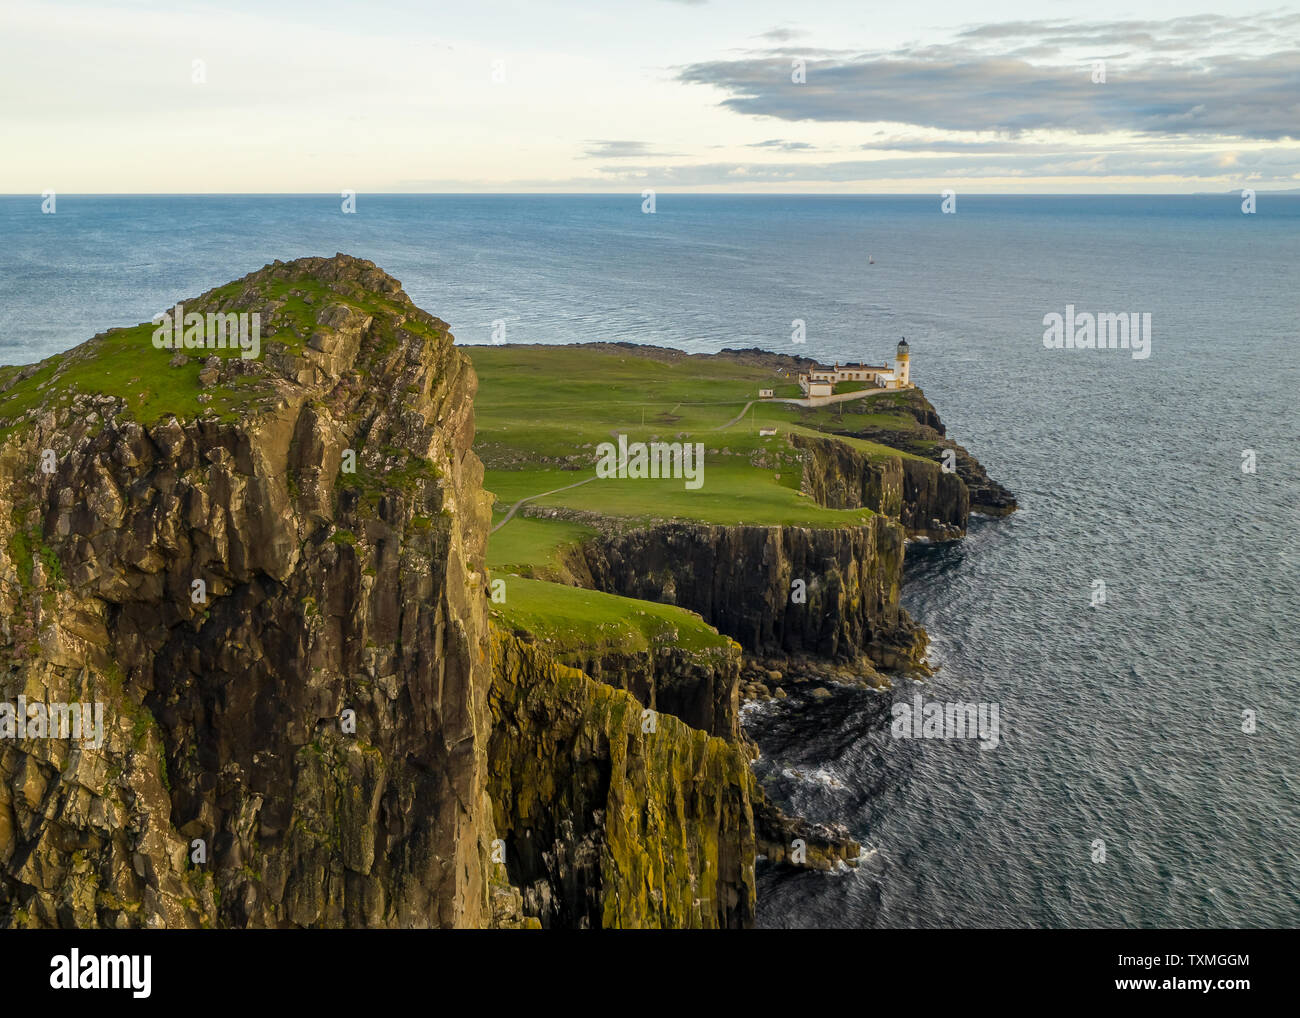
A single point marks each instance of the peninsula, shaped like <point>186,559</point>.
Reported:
<point>378,641</point>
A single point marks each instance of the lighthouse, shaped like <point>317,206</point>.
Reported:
<point>902,367</point>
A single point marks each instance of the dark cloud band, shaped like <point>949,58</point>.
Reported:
<point>1160,81</point>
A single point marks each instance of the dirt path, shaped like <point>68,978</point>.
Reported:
<point>555,491</point>
<point>736,419</point>
<point>528,498</point>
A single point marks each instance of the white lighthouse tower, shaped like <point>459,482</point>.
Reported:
<point>902,366</point>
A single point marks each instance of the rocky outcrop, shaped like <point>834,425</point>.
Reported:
<point>613,815</point>
<point>796,841</point>
<point>927,500</point>
<point>922,433</point>
<point>936,504</point>
<point>828,592</point>
<point>699,687</point>
<point>838,476</point>
<point>293,657</point>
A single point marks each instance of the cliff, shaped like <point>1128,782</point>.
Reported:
<point>925,499</point>
<point>908,422</point>
<point>669,659</point>
<point>828,592</point>
<point>700,688</point>
<point>323,591</point>
<point>614,816</point>
<point>270,571</point>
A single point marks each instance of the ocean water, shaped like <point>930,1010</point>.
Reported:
<point>1120,722</point>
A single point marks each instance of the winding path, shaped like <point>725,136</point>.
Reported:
<point>528,498</point>
<point>839,397</point>
<point>736,419</point>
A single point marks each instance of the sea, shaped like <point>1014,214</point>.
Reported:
<point>1134,623</point>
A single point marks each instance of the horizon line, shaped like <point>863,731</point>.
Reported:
<point>639,194</point>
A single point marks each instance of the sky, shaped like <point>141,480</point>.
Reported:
<point>627,95</point>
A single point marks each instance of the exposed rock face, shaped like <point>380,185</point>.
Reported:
<point>614,816</point>
<point>926,500</point>
<point>838,476</point>
<point>701,688</point>
<point>822,847</point>
<point>325,592</point>
<point>929,440</point>
<point>741,579</point>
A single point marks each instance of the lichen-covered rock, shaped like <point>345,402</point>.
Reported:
<point>614,816</point>
<point>700,687</point>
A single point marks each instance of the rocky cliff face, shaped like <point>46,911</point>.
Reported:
<point>615,816</point>
<point>926,500</point>
<point>701,688</point>
<point>612,815</point>
<point>229,590</point>
<point>269,572</point>
<point>838,476</point>
<point>925,436</point>
<point>826,592</point>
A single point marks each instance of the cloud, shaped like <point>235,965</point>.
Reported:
<point>782,34</point>
<point>984,146</point>
<point>1190,34</point>
<point>1204,75</point>
<point>623,150</point>
<point>784,146</point>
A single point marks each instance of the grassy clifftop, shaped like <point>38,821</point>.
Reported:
<point>571,619</point>
<point>542,411</point>
<point>294,302</point>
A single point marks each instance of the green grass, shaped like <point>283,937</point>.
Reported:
<point>124,363</point>
<point>541,410</point>
<point>874,451</point>
<point>526,544</point>
<point>536,403</point>
<point>887,411</point>
<point>734,493</point>
<point>509,486</point>
<point>582,622</point>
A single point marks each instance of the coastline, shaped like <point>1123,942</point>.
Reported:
<point>585,655</point>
